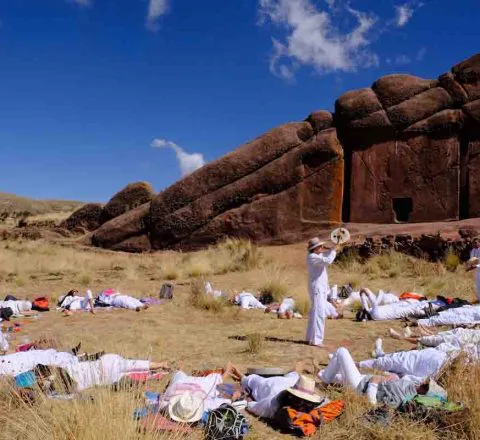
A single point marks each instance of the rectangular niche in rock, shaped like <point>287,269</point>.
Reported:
<point>402,207</point>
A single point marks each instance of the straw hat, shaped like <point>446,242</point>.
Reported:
<point>186,407</point>
<point>305,389</point>
<point>314,243</point>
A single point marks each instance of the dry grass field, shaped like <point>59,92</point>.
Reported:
<point>205,337</point>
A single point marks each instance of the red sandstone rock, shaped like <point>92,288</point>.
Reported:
<point>472,110</point>
<point>474,176</point>
<point>454,88</point>
<point>419,107</point>
<point>130,197</point>
<point>356,104</point>
<point>88,217</point>
<point>394,89</point>
<point>320,120</point>
<point>231,167</point>
<point>275,177</point>
<point>136,244</point>
<point>441,123</point>
<point>418,176</point>
<point>468,74</point>
<point>132,223</point>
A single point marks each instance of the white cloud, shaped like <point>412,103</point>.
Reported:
<point>82,2</point>
<point>188,162</point>
<point>314,40</point>
<point>403,13</point>
<point>421,54</point>
<point>156,8</point>
<point>402,60</point>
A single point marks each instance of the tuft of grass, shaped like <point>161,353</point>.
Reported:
<point>452,261</point>
<point>200,301</point>
<point>84,279</point>
<point>255,343</point>
<point>302,306</point>
<point>235,255</point>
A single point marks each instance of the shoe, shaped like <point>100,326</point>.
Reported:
<point>394,334</point>
<point>379,348</point>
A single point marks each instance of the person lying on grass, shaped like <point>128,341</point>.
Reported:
<point>72,302</point>
<point>458,338</point>
<point>371,309</point>
<point>113,298</point>
<point>388,389</point>
<point>247,300</point>
<point>107,370</point>
<point>269,394</point>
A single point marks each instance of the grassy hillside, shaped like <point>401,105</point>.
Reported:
<point>14,205</point>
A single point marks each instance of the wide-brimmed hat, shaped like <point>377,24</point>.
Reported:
<point>305,389</point>
<point>314,243</point>
<point>187,407</point>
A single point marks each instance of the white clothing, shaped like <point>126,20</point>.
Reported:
<point>458,338</point>
<point>209,291</point>
<point>121,301</point>
<point>247,300</point>
<point>475,253</point>
<point>265,391</point>
<point>77,302</point>
<point>108,370</point>
<point>419,363</point>
<point>331,311</point>
<point>342,369</point>
<point>181,383</point>
<point>353,298</point>
<point>460,316</point>
<point>385,298</point>
<point>318,290</point>
<point>287,305</point>
<point>4,345</point>
<point>333,295</point>
<point>17,363</point>
<point>18,307</point>
<point>395,310</point>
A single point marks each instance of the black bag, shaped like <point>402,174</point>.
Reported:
<point>10,298</point>
<point>6,313</point>
<point>166,292</point>
<point>363,315</point>
<point>345,291</point>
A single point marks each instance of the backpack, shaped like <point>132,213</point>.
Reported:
<point>412,295</point>
<point>166,292</point>
<point>41,304</point>
<point>226,423</point>
<point>345,291</point>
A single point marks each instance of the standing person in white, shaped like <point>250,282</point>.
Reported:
<point>474,263</point>
<point>318,258</point>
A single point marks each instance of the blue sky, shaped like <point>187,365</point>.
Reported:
<point>88,85</point>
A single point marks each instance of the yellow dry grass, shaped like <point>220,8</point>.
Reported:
<point>180,330</point>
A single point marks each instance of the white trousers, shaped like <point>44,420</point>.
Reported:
<point>342,369</point>
<point>317,317</point>
<point>126,302</point>
<point>419,363</point>
<point>460,316</point>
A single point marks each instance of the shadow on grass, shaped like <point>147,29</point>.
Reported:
<point>272,339</point>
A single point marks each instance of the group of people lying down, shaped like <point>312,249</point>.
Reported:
<point>407,373</point>
<point>72,301</point>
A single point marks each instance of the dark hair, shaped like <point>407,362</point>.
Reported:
<point>287,399</point>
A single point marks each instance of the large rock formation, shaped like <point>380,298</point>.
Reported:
<point>405,150</point>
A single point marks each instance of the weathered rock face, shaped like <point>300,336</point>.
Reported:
<point>131,224</point>
<point>88,217</point>
<point>405,150</point>
<point>130,197</point>
<point>261,176</point>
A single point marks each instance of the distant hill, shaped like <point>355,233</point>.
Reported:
<point>15,206</point>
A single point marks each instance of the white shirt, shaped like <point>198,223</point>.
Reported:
<point>17,363</point>
<point>265,392</point>
<point>317,271</point>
